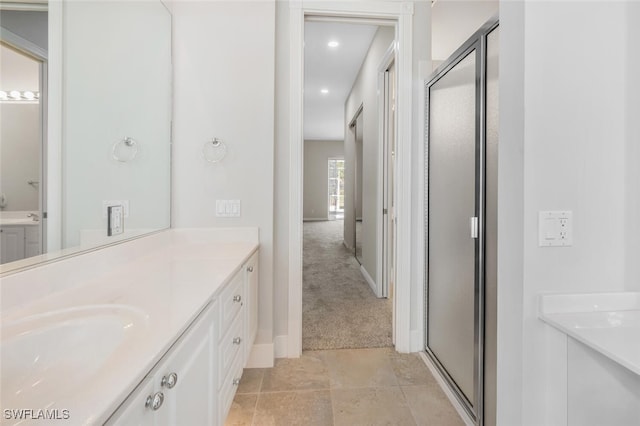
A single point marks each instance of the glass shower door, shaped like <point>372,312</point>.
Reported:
<point>452,329</point>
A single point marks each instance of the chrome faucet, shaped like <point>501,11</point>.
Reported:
<point>34,216</point>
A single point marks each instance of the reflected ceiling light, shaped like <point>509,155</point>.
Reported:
<point>13,96</point>
<point>333,43</point>
<point>324,91</point>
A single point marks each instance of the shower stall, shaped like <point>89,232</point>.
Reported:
<point>461,221</point>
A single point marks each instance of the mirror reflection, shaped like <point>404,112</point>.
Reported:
<point>86,126</point>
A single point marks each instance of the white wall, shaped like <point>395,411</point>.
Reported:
<point>316,176</point>
<point>365,92</point>
<point>454,21</point>
<point>19,155</point>
<point>117,83</point>
<point>562,148</point>
<point>632,273</point>
<point>224,87</point>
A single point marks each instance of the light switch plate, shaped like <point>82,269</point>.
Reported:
<point>555,228</point>
<point>115,220</point>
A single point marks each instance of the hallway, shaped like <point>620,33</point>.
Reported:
<point>339,309</point>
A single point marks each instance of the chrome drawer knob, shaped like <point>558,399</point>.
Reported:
<point>237,340</point>
<point>236,382</point>
<point>154,402</point>
<point>249,268</point>
<point>237,298</point>
<point>169,381</point>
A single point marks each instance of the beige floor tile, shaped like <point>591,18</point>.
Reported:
<point>251,380</point>
<point>430,406</point>
<point>302,408</point>
<point>359,368</point>
<point>371,406</point>
<point>242,409</point>
<point>304,373</point>
<point>410,369</point>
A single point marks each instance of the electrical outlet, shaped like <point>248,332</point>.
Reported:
<point>115,220</point>
<point>555,228</point>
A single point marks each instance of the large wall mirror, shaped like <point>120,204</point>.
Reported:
<point>85,116</point>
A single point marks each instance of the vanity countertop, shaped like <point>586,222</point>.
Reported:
<point>152,296</point>
<point>609,323</point>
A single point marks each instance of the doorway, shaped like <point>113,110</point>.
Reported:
<point>343,309</point>
<point>336,188</point>
<point>399,15</point>
<point>23,90</point>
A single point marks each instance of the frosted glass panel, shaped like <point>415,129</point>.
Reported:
<point>452,177</point>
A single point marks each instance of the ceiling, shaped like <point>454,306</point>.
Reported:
<point>334,69</point>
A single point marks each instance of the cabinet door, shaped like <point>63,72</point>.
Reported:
<point>192,399</point>
<point>133,412</point>
<point>251,307</point>
<point>11,243</point>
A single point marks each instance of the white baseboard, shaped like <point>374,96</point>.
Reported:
<point>368,278</point>
<point>417,341</point>
<point>315,219</point>
<point>261,356</point>
<point>280,346</point>
<point>445,388</point>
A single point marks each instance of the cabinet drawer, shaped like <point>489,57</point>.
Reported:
<point>231,301</point>
<point>228,390</point>
<point>230,351</point>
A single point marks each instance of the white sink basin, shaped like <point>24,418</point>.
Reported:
<point>49,356</point>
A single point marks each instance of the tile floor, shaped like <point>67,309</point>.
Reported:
<point>343,387</point>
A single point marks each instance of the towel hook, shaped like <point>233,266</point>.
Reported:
<point>214,150</point>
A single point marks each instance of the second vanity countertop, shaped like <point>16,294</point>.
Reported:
<point>156,296</point>
<point>608,323</point>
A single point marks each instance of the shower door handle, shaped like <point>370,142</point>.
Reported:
<point>473,224</point>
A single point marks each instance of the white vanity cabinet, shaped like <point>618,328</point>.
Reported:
<point>196,380</point>
<point>12,243</point>
<point>179,390</point>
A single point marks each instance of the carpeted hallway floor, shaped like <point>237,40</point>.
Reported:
<point>339,309</point>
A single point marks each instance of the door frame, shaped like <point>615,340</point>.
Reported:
<point>402,15</point>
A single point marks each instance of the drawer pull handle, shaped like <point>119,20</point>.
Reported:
<point>236,382</point>
<point>237,298</point>
<point>249,268</point>
<point>169,381</point>
<point>154,402</point>
<point>237,340</point>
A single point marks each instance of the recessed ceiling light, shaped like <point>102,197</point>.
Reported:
<point>324,91</point>
<point>333,43</point>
